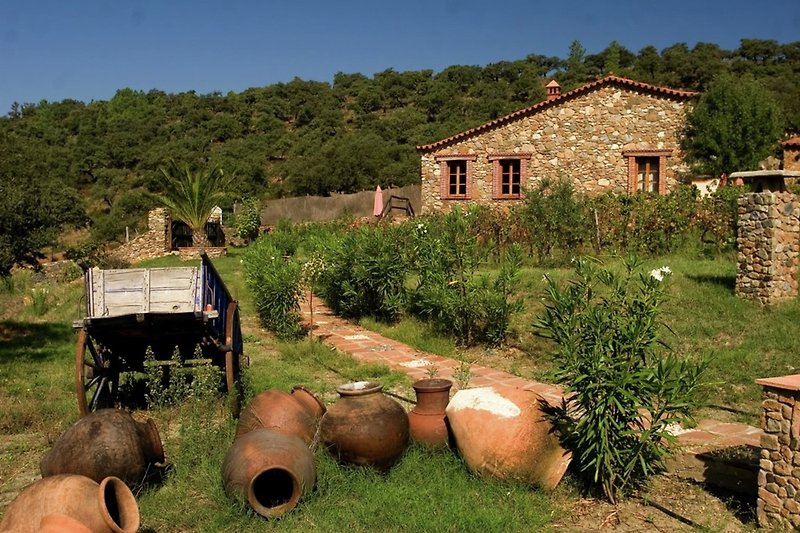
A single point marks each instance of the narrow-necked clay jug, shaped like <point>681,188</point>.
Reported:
<point>365,427</point>
<point>108,442</point>
<point>269,470</point>
<point>426,420</point>
<point>108,506</point>
<point>298,413</point>
<point>503,432</point>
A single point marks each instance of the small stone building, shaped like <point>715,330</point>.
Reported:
<point>614,134</point>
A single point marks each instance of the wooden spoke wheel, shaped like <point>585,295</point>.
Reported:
<point>233,371</point>
<point>96,378</point>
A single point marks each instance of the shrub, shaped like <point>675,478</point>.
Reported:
<point>451,294</point>
<point>276,285</point>
<point>553,218</point>
<point>622,392</point>
<point>248,219</point>
<point>365,274</point>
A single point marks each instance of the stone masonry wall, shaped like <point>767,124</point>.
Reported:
<point>154,243</point>
<point>769,243</point>
<point>779,467</point>
<point>582,139</point>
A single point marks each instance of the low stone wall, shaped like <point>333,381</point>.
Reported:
<point>188,253</point>
<point>154,243</point>
<point>779,468</point>
<point>769,244</point>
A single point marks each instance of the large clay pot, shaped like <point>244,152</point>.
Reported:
<point>365,427</point>
<point>272,471</point>
<point>105,507</point>
<point>61,523</point>
<point>426,421</point>
<point>108,442</point>
<point>298,413</point>
<point>502,432</point>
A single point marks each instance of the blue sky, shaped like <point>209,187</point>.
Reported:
<point>87,49</point>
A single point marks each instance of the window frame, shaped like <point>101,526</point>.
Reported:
<point>497,173</point>
<point>634,157</point>
<point>445,162</point>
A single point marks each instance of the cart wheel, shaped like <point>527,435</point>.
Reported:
<point>95,380</point>
<point>233,373</point>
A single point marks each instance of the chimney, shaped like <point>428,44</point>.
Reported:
<point>553,90</point>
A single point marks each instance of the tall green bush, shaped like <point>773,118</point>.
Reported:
<point>365,274</point>
<point>554,219</point>
<point>624,390</point>
<point>452,293</point>
<point>276,284</point>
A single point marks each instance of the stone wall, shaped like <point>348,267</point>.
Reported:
<point>154,243</point>
<point>779,467</point>
<point>768,242</point>
<point>582,139</point>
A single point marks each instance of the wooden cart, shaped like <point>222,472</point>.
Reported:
<point>167,311</point>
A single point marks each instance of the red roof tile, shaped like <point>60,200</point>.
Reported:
<point>544,104</point>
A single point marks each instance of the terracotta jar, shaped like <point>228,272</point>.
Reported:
<point>502,432</point>
<point>105,507</point>
<point>365,427</point>
<point>61,523</point>
<point>108,442</point>
<point>269,470</point>
<point>298,413</point>
<point>426,420</point>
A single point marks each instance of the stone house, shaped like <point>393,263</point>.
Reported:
<point>613,134</point>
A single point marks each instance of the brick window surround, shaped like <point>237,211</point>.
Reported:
<point>635,157</point>
<point>514,162</point>
<point>455,168</point>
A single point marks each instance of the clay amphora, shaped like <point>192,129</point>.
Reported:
<point>426,420</point>
<point>105,507</point>
<point>108,442</point>
<point>502,432</point>
<point>61,523</point>
<point>296,414</point>
<point>365,427</point>
<point>272,471</point>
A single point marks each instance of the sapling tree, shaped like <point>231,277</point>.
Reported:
<point>625,390</point>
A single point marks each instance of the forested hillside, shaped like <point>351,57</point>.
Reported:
<point>311,137</point>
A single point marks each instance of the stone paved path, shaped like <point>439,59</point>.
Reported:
<point>370,347</point>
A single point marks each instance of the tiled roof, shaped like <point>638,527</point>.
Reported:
<point>794,142</point>
<point>608,80</point>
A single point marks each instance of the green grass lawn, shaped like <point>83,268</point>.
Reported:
<point>425,491</point>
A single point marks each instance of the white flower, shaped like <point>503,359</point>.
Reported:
<point>659,273</point>
<point>420,225</point>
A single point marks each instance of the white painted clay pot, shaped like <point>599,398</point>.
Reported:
<point>502,432</point>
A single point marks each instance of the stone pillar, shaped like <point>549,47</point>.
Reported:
<point>159,223</point>
<point>779,468</point>
<point>768,239</point>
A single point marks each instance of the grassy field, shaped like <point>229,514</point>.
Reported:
<point>425,491</point>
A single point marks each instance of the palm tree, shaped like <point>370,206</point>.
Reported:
<point>190,196</point>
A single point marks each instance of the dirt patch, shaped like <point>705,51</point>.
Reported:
<point>667,504</point>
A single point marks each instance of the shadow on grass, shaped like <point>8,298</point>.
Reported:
<point>21,340</point>
<point>728,282</point>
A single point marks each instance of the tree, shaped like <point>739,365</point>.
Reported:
<point>190,196</point>
<point>34,208</point>
<point>735,125</point>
